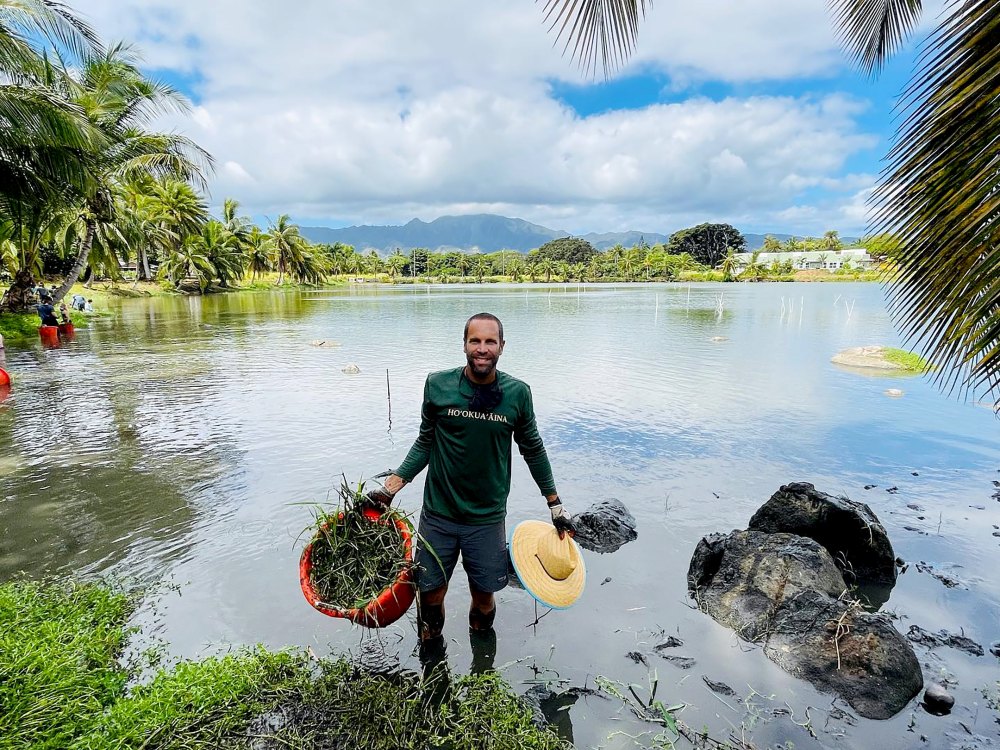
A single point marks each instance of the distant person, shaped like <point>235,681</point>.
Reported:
<point>46,312</point>
<point>63,313</point>
<point>79,302</point>
<point>89,306</point>
<point>41,292</point>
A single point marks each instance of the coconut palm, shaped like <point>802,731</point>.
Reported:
<point>480,267</point>
<point>771,244</point>
<point>189,259</point>
<point>515,269</point>
<point>548,267</point>
<point>754,269</point>
<point>42,135</point>
<point>730,266</point>
<point>285,245</point>
<point>308,267</point>
<point>120,101</point>
<point>258,260</point>
<point>224,252</point>
<point>173,212</point>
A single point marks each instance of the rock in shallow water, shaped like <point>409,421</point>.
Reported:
<point>783,591</point>
<point>605,526</point>
<point>943,638</point>
<point>849,530</point>
<point>937,700</point>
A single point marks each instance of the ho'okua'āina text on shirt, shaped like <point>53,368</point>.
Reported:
<point>469,451</point>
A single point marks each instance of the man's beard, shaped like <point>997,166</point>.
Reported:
<point>482,371</point>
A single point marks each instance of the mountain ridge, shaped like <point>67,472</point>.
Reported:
<point>484,233</point>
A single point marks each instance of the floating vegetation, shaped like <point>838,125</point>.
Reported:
<point>62,686</point>
<point>358,551</point>
<point>905,360</point>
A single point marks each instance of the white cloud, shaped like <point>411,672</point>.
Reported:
<point>378,112</point>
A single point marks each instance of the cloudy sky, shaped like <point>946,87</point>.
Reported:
<point>352,111</point>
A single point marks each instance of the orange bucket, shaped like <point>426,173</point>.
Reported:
<point>67,330</point>
<point>382,610</point>
<point>49,336</point>
<point>4,378</point>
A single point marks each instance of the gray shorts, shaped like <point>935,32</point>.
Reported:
<point>483,548</point>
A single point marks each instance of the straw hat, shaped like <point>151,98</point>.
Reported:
<point>550,569</point>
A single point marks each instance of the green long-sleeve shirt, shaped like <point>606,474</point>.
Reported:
<point>469,451</point>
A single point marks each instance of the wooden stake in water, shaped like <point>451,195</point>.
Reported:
<point>388,395</point>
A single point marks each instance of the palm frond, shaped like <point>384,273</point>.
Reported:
<point>599,31</point>
<point>52,20</point>
<point>940,195</point>
<point>874,29</point>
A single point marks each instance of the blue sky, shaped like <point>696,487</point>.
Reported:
<point>353,112</point>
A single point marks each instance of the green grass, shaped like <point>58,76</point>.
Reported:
<point>906,360</point>
<point>21,328</point>
<point>62,687</point>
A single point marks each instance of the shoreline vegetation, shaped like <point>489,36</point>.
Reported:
<point>22,327</point>
<point>64,685</point>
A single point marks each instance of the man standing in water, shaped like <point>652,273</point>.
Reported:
<point>468,418</point>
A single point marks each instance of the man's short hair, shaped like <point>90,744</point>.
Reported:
<point>483,316</point>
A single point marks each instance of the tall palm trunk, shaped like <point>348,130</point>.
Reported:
<point>79,264</point>
<point>142,272</point>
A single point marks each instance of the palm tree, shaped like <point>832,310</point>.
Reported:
<point>258,261</point>
<point>173,212</point>
<point>532,264</point>
<point>396,263</point>
<point>831,241</point>
<point>120,101</point>
<point>548,267</point>
<point>730,266</point>
<point>630,263</point>
<point>223,251</point>
<point>515,269</point>
<point>480,266</point>
<point>285,245</point>
<point>190,258</point>
<point>238,228</point>
<point>43,137</point>
<point>308,268</point>
<point>754,270</point>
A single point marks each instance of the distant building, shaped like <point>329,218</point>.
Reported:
<point>829,260</point>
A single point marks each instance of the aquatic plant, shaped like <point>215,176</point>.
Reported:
<point>58,644</point>
<point>355,557</point>
<point>906,360</point>
<point>62,686</point>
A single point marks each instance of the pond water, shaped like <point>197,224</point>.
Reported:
<point>183,439</point>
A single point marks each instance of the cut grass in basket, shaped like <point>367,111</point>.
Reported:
<point>354,558</point>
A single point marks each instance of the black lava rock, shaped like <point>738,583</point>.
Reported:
<point>937,700</point>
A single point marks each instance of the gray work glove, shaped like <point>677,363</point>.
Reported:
<point>561,519</point>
